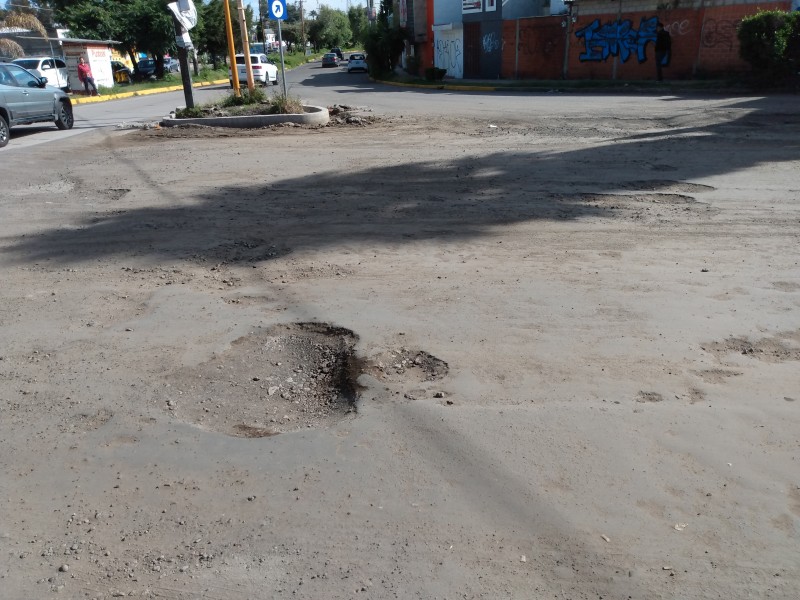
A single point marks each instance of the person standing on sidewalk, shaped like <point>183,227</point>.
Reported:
<point>85,76</point>
<point>663,49</point>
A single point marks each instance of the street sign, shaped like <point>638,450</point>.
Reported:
<point>277,10</point>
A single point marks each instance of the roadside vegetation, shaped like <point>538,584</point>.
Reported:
<point>249,103</point>
<point>770,42</point>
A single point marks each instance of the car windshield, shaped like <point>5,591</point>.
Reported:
<point>30,63</point>
<point>330,56</point>
<point>253,59</point>
<point>149,62</point>
<point>356,57</point>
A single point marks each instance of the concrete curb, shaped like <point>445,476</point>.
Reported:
<point>314,115</point>
<point>172,88</point>
<point>442,86</point>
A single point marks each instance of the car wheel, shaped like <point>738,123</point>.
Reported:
<point>64,119</point>
<point>275,82</point>
<point>5,133</point>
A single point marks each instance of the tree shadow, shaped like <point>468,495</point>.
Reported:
<point>395,204</point>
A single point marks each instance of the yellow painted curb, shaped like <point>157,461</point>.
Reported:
<point>172,88</point>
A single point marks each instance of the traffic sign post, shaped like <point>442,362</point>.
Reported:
<point>277,11</point>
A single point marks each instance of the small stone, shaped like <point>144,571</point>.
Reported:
<point>63,568</point>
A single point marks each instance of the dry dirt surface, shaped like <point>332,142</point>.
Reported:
<point>413,358</point>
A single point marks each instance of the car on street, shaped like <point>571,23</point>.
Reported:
<point>171,65</point>
<point>55,69</point>
<point>338,53</point>
<point>146,68</point>
<point>264,70</point>
<point>330,60</point>
<point>357,62</point>
<point>26,98</point>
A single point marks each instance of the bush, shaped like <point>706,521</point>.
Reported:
<point>435,73</point>
<point>256,96</point>
<point>770,42</point>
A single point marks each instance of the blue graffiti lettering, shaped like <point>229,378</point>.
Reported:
<point>616,38</point>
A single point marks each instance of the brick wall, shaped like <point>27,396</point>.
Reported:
<point>602,46</point>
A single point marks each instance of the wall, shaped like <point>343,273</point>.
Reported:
<point>603,46</point>
<point>449,52</point>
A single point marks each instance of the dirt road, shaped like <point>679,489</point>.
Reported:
<point>422,358</point>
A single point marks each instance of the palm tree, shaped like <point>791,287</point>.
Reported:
<point>313,14</point>
<point>22,21</point>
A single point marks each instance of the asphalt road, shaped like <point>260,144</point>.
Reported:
<point>327,86</point>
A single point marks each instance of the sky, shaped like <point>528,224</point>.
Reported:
<point>309,5</point>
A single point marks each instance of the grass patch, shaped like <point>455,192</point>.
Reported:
<point>257,102</point>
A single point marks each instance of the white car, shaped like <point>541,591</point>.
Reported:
<point>54,69</point>
<point>264,70</point>
<point>357,62</point>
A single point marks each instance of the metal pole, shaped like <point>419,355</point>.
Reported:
<point>231,48</point>
<point>283,68</point>
<point>186,76</point>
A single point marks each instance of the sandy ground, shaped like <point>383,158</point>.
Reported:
<point>415,359</point>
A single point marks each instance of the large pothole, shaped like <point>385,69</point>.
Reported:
<point>287,378</point>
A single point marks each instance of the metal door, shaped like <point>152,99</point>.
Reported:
<point>472,50</point>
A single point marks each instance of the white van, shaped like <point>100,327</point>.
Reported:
<point>55,69</point>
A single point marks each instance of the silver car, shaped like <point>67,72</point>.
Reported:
<point>54,69</point>
<point>25,99</point>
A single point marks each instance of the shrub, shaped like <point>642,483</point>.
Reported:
<point>770,42</point>
<point>256,96</point>
<point>435,73</point>
<point>286,105</point>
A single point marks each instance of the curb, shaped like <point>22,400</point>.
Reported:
<point>172,88</point>
<point>314,115</point>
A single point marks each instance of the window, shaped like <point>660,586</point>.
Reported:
<point>22,77</point>
<point>60,64</point>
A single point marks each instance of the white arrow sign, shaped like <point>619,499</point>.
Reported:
<point>277,10</point>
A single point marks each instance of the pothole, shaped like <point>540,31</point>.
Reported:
<point>287,378</point>
<point>782,347</point>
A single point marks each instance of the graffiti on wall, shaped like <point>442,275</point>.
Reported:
<point>617,38</point>
<point>719,33</point>
<point>449,54</point>
<point>490,43</point>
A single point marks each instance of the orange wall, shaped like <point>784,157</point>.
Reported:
<point>703,42</point>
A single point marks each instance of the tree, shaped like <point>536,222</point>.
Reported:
<point>384,43</point>
<point>770,42</point>
<point>359,25</point>
<point>330,28</point>
<point>21,20</point>
<point>140,25</point>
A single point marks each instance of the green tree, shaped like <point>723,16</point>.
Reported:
<point>384,43</point>
<point>330,28</point>
<point>359,24</point>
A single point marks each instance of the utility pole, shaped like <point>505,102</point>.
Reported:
<point>245,45</point>
<point>302,29</point>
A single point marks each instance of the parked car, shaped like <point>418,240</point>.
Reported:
<point>26,98</point>
<point>171,65</point>
<point>146,68</point>
<point>264,70</point>
<point>330,60</point>
<point>55,69</point>
<point>338,53</point>
<point>357,62</point>
<point>122,74</point>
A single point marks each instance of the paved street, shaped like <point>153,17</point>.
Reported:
<point>476,345</point>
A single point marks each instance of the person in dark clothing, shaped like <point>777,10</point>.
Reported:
<point>663,49</point>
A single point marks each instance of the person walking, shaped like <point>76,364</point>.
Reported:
<point>85,76</point>
<point>663,49</point>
